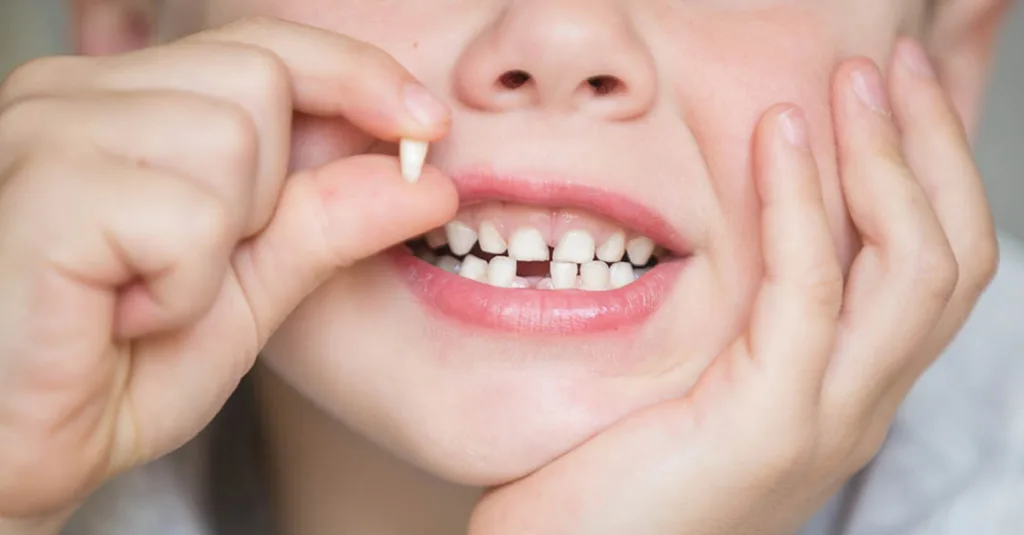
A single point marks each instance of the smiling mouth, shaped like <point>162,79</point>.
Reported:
<point>509,245</point>
<point>544,258</point>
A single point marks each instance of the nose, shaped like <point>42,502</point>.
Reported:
<point>577,56</point>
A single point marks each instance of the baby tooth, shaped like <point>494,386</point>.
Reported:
<point>640,250</point>
<point>545,284</point>
<point>520,283</point>
<point>528,245</point>
<point>461,238</point>
<point>501,272</point>
<point>576,246</point>
<point>613,248</point>
<point>449,264</point>
<point>563,275</point>
<point>474,268</point>
<point>595,276</point>
<point>436,238</point>
<point>621,274</point>
<point>491,240</point>
<point>412,154</point>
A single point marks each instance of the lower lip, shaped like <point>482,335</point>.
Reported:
<point>555,312</point>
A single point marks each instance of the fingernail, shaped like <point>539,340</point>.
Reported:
<point>914,58</point>
<point>423,106</point>
<point>867,84</point>
<point>794,128</point>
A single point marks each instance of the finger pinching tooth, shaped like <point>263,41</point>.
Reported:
<point>412,154</point>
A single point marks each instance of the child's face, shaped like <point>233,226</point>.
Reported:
<point>481,384</point>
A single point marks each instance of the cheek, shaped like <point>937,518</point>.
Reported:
<point>742,64</point>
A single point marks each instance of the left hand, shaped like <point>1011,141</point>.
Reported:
<point>804,398</point>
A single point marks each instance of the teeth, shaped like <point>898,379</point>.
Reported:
<point>491,240</point>
<point>527,245</point>
<point>412,154</point>
<point>461,238</point>
<point>595,276</point>
<point>436,238</point>
<point>613,248</point>
<point>563,275</point>
<point>576,246</point>
<point>520,283</point>
<point>474,268</point>
<point>501,272</point>
<point>545,284</point>
<point>621,275</point>
<point>640,250</point>
<point>449,264</point>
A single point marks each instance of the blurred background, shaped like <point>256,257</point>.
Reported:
<point>34,27</point>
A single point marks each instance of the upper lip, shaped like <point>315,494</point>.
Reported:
<point>474,187</point>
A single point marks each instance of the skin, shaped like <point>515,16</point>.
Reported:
<point>792,355</point>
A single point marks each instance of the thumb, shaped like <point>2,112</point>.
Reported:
<point>331,217</point>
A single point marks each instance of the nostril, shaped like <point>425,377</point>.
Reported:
<point>514,79</point>
<point>604,85</point>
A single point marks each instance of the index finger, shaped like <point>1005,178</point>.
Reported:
<point>335,75</point>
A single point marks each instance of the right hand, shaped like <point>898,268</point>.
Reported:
<point>150,241</point>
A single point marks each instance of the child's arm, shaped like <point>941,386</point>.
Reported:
<point>150,242</point>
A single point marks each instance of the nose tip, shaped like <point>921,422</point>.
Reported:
<point>570,56</point>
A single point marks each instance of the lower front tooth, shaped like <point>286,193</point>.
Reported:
<point>474,268</point>
<point>595,276</point>
<point>501,272</point>
<point>449,264</point>
<point>621,275</point>
<point>563,275</point>
<point>545,284</point>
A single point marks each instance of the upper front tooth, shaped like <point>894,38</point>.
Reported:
<point>461,238</point>
<point>491,240</point>
<point>613,248</point>
<point>640,250</point>
<point>474,268</point>
<point>621,274</point>
<point>501,272</point>
<point>563,275</point>
<point>412,154</point>
<point>576,246</point>
<point>528,245</point>
<point>436,238</point>
<point>595,275</point>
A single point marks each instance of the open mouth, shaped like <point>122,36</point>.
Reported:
<point>545,258</point>
<point>509,245</point>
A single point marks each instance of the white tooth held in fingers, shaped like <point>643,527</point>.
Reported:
<point>527,245</point>
<point>412,154</point>
<point>461,238</point>
<point>563,275</point>
<point>501,272</point>
<point>595,276</point>
<point>576,246</point>
<point>621,275</point>
<point>436,238</point>
<point>491,240</point>
<point>474,268</point>
<point>640,250</point>
<point>449,264</point>
<point>613,248</point>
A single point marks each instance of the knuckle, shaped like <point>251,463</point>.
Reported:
<point>210,224</point>
<point>266,73</point>
<point>27,77</point>
<point>980,264</point>
<point>21,119</point>
<point>232,133</point>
